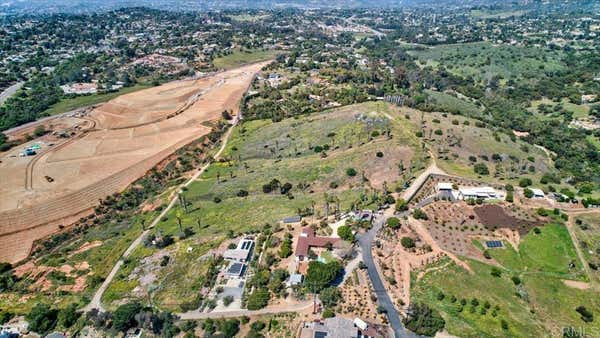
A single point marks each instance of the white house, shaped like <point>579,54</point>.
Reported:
<point>444,186</point>
<point>537,193</point>
<point>242,253</point>
<point>478,193</point>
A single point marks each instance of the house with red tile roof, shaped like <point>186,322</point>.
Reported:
<point>308,240</point>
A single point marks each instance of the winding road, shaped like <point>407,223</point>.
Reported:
<point>365,242</point>
<point>96,302</point>
<point>10,91</point>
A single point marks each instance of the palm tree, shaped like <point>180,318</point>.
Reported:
<point>326,197</point>
<point>178,216</point>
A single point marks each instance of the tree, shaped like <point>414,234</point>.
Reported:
<point>393,222</point>
<point>481,169</point>
<point>407,242</point>
<point>345,233</point>
<point>528,193</point>
<point>423,320</point>
<point>496,272</point>
<point>68,316</point>
<point>525,182</point>
<point>40,130</point>
<point>401,205</point>
<point>319,274</point>
<point>229,328</point>
<point>330,296</point>
<point>586,315</point>
<point>419,214</point>
<point>351,172</point>
<point>124,316</point>
<point>258,299</point>
<point>226,115</point>
<point>41,318</point>
<point>328,313</point>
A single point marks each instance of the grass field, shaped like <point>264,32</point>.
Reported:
<point>483,60</point>
<point>113,238</point>
<point>588,235</point>
<point>259,151</point>
<point>249,17</point>
<point>462,139</point>
<point>496,14</point>
<point>540,306</point>
<point>81,101</point>
<point>453,104</point>
<point>594,140</point>
<point>239,58</point>
<point>262,150</point>
<point>579,110</point>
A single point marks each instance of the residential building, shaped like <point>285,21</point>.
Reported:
<point>308,240</point>
<point>242,253</point>
<point>337,327</point>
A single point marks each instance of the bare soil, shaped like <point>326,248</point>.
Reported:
<point>125,138</point>
<point>493,216</point>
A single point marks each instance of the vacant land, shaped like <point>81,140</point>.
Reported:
<point>126,138</point>
<point>454,225</point>
<point>587,231</point>
<point>483,61</point>
<point>460,143</point>
<point>454,103</point>
<point>308,156</point>
<point>529,293</point>
<point>69,104</point>
<point>493,216</point>
<point>239,58</point>
<point>579,111</point>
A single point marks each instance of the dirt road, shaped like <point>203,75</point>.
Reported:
<point>570,227</point>
<point>410,192</point>
<point>96,302</point>
<point>129,136</point>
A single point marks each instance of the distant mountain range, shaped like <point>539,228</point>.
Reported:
<point>10,7</point>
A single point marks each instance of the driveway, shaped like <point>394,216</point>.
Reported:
<point>366,242</point>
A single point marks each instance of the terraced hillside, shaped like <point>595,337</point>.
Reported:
<point>131,134</point>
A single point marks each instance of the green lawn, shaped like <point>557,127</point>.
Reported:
<point>239,58</point>
<point>483,60</point>
<point>579,110</point>
<point>81,101</point>
<point>550,252</point>
<point>594,140</point>
<point>537,308</point>
<point>453,104</point>
<point>588,235</point>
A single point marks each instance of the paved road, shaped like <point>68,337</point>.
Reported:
<point>192,315</point>
<point>366,243</point>
<point>410,192</point>
<point>96,302</point>
<point>8,92</point>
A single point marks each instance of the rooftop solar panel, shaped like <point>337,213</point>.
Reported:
<point>235,268</point>
<point>493,244</point>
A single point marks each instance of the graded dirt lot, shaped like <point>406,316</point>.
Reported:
<point>116,143</point>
